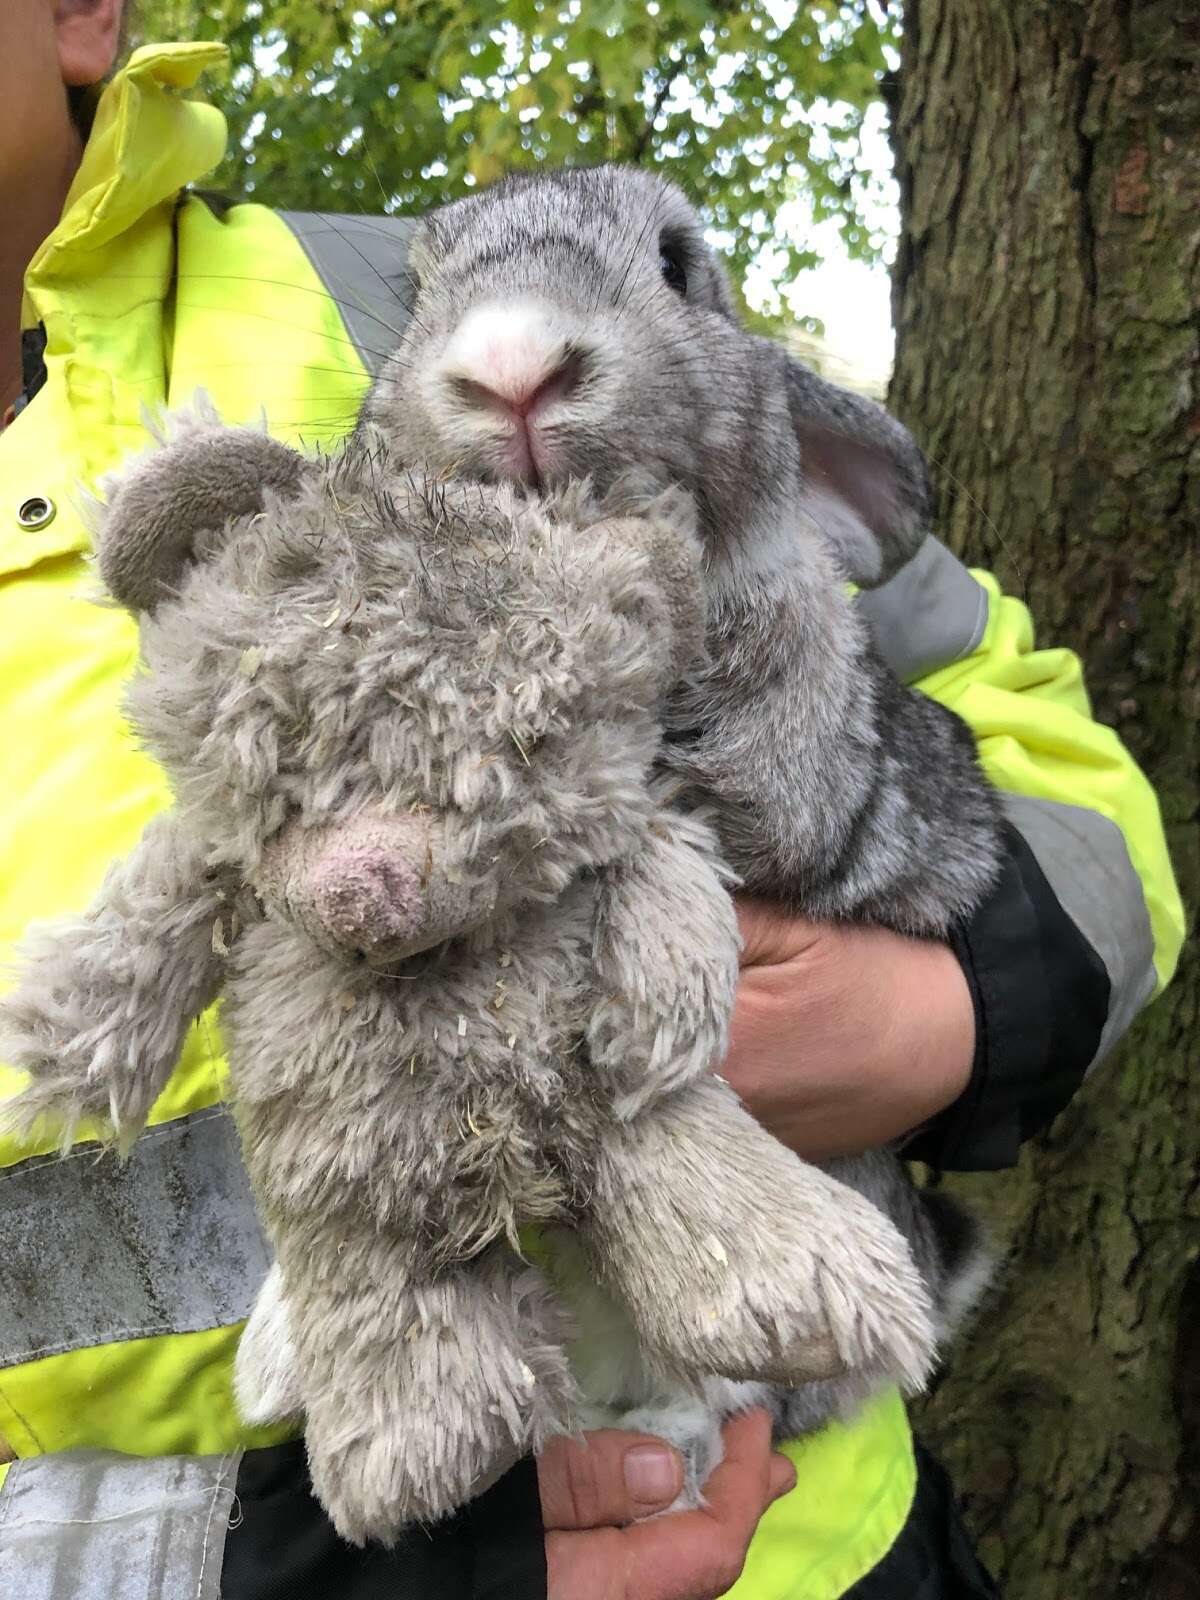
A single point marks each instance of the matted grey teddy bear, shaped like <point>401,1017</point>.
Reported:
<point>476,965</point>
<point>577,326</point>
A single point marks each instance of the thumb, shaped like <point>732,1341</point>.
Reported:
<point>608,1479</point>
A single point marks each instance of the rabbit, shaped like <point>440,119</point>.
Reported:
<point>575,324</point>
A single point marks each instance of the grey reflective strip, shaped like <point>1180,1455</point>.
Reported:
<point>93,1525</point>
<point>1086,862</point>
<point>361,262</point>
<point>95,1251</point>
<point>931,613</point>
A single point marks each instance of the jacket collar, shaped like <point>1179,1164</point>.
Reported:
<point>147,142</point>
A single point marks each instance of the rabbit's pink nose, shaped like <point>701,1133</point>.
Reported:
<point>367,897</point>
<point>513,363</point>
<point>518,392</point>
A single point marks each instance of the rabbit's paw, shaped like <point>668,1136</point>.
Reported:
<point>693,1429</point>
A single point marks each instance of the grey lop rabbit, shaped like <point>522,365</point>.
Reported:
<point>577,325</point>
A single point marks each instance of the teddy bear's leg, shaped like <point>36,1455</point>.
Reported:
<point>736,1258</point>
<point>421,1394</point>
<point>665,954</point>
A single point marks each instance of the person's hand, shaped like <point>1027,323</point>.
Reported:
<point>592,1493</point>
<point>845,1037</point>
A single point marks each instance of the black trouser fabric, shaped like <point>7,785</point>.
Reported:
<point>281,1545</point>
<point>932,1559</point>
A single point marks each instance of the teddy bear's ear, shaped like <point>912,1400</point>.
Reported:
<point>171,506</point>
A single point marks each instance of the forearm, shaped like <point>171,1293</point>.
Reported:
<point>1043,1005</point>
<point>846,1038</point>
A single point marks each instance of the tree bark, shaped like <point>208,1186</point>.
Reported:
<point>1047,296</point>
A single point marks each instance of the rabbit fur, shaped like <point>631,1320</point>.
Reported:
<point>835,788</point>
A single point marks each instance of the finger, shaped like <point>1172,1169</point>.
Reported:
<point>694,1555</point>
<point>697,1555</point>
<point>783,1476</point>
<point>610,1479</point>
<point>739,1490</point>
<point>588,1566</point>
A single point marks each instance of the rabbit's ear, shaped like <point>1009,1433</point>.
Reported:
<point>866,482</point>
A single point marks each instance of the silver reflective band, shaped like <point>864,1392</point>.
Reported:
<point>1086,862</point>
<point>931,613</point>
<point>361,262</point>
<point>36,512</point>
<point>96,1251</point>
<point>93,1525</point>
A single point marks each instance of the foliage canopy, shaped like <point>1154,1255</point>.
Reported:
<point>400,105</point>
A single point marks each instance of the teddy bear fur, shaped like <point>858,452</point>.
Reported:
<point>477,964</point>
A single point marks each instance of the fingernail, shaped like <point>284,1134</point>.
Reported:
<point>653,1474</point>
<point>786,1481</point>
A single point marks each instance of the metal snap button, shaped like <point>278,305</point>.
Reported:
<point>36,512</point>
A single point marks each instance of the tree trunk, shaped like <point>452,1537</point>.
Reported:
<point>1047,301</point>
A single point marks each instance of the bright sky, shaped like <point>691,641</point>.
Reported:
<point>852,300</point>
<point>854,303</point>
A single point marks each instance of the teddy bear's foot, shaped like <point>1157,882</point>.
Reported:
<point>737,1259</point>
<point>408,1429</point>
<point>375,1486</point>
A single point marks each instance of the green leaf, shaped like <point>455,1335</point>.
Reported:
<point>744,114</point>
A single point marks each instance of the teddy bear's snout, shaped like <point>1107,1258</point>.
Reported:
<point>372,886</point>
<point>367,897</point>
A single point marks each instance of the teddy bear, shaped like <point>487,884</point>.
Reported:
<point>477,962</point>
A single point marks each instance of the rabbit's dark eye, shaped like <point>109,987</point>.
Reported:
<point>670,264</point>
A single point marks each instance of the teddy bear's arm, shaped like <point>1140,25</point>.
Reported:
<point>732,1255</point>
<point>104,999</point>
<point>168,508</point>
<point>663,591</point>
<point>666,961</point>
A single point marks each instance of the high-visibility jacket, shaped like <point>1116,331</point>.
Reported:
<point>123,1289</point>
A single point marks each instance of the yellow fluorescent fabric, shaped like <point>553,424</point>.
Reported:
<point>1030,713</point>
<point>143,299</point>
<point>854,1488</point>
<point>147,1397</point>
